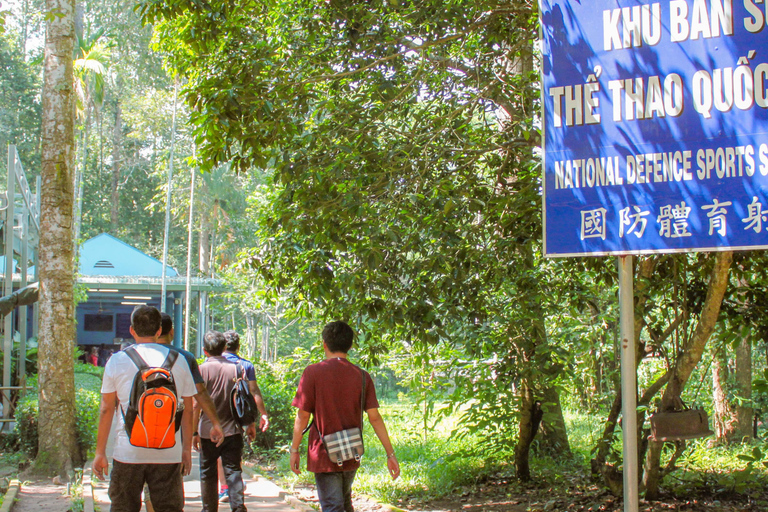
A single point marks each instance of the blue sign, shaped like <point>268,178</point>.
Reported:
<point>655,125</point>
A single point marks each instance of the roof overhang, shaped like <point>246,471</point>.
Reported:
<point>151,283</point>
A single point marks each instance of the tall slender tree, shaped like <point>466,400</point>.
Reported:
<point>57,444</point>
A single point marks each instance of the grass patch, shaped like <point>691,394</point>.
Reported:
<point>445,465</point>
<point>430,468</point>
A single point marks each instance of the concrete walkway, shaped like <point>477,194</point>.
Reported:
<point>261,494</point>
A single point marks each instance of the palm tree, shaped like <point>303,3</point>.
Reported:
<point>90,69</point>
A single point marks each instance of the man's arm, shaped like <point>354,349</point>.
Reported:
<point>377,422</point>
<point>186,436</point>
<point>195,425</point>
<point>302,418</point>
<point>204,401</point>
<point>256,392</point>
<point>106,412</point>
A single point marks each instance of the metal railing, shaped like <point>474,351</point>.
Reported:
<point>12,399</point>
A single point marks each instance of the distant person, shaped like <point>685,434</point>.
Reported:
<point>332,391</point>
<point>93,356</point>
<point>231,353</point>
<point>133,466</point>
<point>104,354</point>
<point>220,375</point>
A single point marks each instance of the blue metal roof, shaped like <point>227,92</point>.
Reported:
<point>105,255</point>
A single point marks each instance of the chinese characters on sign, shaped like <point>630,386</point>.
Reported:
<point>655,124</point>
<point>671,221</point>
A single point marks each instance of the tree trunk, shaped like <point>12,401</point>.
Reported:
<point>733,421</point>
<point>116,143</point>
<point>206,230</point>
<point>58,450</point>
<point>526,433</point>
<point>554,435</point>
<point>724,418</point>
<point>744,390</point>
<point>687,361</point>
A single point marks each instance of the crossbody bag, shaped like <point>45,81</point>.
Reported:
<point>345,444</point>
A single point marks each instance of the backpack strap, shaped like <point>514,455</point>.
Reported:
<point>362,411</point>
<point>170,360</point>
<point>362,402</point>
<point>136,358</point>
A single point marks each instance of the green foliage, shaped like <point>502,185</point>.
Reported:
<point>20,108</point>
<point>3,14</point>
<point>431,467</point>
<point>278,394</point>
<point>87,401</point>
<point>721,470</point>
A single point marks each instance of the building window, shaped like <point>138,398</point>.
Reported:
<point>99,323</point>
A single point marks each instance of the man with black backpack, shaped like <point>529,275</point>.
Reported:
<point>222,377</point>
<point>231,353</point>
<point>249,376</point>
<point>151,388</point>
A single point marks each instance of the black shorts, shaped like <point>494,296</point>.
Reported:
<point>165,485</point>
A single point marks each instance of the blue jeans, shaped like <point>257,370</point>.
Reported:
<point>334,490</point>
<point>230,451</point>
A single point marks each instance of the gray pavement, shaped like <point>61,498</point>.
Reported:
<point>261,494</point>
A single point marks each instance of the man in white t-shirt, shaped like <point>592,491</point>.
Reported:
<point>161,469</point>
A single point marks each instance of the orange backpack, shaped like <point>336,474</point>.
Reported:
<point>153,415</point>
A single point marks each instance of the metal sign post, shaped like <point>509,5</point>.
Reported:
<point>628,384</point>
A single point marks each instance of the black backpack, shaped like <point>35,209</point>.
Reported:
<point>241,401</point>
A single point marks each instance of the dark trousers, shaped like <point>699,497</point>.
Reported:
<point>334,490</point>
<point>231,453</point>
<point>164,481</point>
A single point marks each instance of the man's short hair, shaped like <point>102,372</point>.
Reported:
<point>338,336</point>
<point>145,321</point>
<point>214,343</point>
<point>233,340</point>
<point>166,322</point>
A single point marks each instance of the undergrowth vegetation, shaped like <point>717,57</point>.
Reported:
<point>433,463</point>
<point>87,400</point>
<point>440,462</point>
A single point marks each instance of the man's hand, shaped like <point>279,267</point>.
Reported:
<point>394,467</point>
<point>100,466</point>
<point>295,462</point>
<point>186,462</point>
<point>196,443</point>
<point>264,423</point>
<point>250,431</point>
<point>217,435</point>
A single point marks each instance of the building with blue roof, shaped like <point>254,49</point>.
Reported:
<point>120,277</point>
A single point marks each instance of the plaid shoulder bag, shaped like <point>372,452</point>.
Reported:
<point>346,444</point>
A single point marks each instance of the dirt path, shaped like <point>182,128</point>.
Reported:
<point>42,495</point>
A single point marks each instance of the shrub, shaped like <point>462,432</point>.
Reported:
<point>87,401</point>
<point>277,399</point>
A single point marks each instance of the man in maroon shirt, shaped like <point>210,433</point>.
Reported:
<point>331,390</point>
